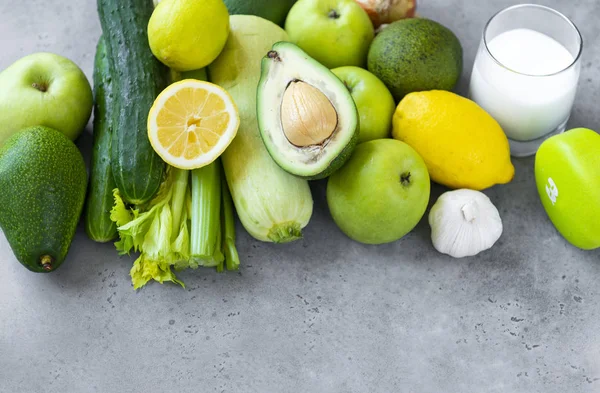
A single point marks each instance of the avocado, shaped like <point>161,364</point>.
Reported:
<point>200,74</point>
<point>42,190</point>
<point>416,55</point>
<point>307,118</point>
<point>274,10</point>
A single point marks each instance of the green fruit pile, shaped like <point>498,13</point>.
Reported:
<point>328,97</point>
<point>382,191</point>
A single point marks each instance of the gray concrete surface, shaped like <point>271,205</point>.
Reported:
<point>323,314</point>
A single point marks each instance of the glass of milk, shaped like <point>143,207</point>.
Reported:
<point>526,73</point>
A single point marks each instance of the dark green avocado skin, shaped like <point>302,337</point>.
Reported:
<point>274,10</point>
<point>42,191</point>
<point>340,160</point>
<point>416,55</point>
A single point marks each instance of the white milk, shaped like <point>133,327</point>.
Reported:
<point>526,106</point>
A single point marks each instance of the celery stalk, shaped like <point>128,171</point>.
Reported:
<point>206,215</point>
<point>232,259</point>
<point>221,264</point>
<point>180,184</point>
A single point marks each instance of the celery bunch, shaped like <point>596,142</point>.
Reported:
<point>188,224</point>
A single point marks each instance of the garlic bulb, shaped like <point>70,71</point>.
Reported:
<point>464,223</point>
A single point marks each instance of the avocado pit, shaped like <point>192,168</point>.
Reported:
<point>307,116</point>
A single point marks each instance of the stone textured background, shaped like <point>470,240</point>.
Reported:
<point>324,314</point>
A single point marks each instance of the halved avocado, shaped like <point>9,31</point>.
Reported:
<point>307,118</point>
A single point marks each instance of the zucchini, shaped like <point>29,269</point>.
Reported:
<point>138,79</point>
<point>272,204</point>
<point>98,224</point>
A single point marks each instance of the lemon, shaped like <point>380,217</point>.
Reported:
<point>462,145</point>
<point>188,34</point>
<point>192,123</point>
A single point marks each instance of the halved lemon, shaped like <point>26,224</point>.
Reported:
<point>191,123</point>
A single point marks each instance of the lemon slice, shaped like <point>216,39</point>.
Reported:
<point>191,123</point>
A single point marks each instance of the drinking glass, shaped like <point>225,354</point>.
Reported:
<point>530,106</point>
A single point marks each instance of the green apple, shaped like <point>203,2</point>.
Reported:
<point>567,173</point>
<point>373,100</point>
<point>44,89</point>
<point>335,32</point>
<point>381,193</point>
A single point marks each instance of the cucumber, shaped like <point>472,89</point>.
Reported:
<point>98,224</point>
<point>138,79</point>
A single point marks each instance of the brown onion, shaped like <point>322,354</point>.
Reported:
<point>388,11</point>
